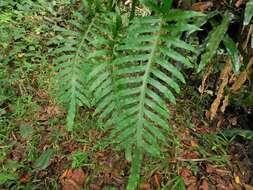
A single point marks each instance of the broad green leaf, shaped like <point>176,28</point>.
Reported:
<point>248,12</point>
<point>167,5</point>
<point>247,134</point>
<point>5,176</point>
<point>43,161</point>
<point>215,37</point>
<point>233,52</point>
<point>25,130</point>
<point>179,15</point>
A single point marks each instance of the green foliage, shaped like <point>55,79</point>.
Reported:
<point>4,177</point>
<point>70,53</point>
<point>233,53</point>
<point>214,39</point>
<point>247,134</point>
<point>130,80</point>
<point>127,68</point>
<point>248,12</point>
<point>43,161</point>
<point>79,159</point>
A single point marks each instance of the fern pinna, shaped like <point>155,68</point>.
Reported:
<point>146,78</point>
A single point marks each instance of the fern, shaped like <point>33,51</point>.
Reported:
<point>71,64</point>
<point>146,77</point>
<point>101,78</point>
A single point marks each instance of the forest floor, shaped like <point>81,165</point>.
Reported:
<point>203,156</point>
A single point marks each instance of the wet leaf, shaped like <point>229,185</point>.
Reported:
<point>43,161</point>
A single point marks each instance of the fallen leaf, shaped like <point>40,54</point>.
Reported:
<point>25,178</point>
<point>73,179</point>
<point>43,117</point>
<point>202,6</point>
<point>248,187</point>
<point>157,180</point>
<point>220,172</point>
<point>204,185</point>
<point>145,186</point>
<point>18,152</point>
<point>188,177</point>
<point>239,3</point>
<point>78,176</point>
<point>224,77</point>
<point>194,143</point>
<point>185,172</point>
<point>237,179</point>
<point>42,94</point>
<point>204,78</point>
<point>191,155</point>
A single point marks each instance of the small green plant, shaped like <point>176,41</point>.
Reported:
<point>79,159</point>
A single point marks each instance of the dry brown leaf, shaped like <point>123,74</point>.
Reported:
<point>78,176</point>
<point>224,104</point>
<point>237,179</point>
<point>248,187</point>
<point>242,77</point>
<point>25,178</point>
<point>204,185</point>
<point>73,179</point>
<point>224,76</point>
<point>205,77</point>
<point>194,143</point>
<point>145,186</point>
<point>239,3</point>
<point>219,172</point>
<point>157,180</point>
<point>202,6</point>
<point>238,82</point>
<point>42,94</point>
<point>191,155</point>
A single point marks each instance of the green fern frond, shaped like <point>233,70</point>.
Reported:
<point>70,65</point>
<point>147,79</point>
<point>101,78</point>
